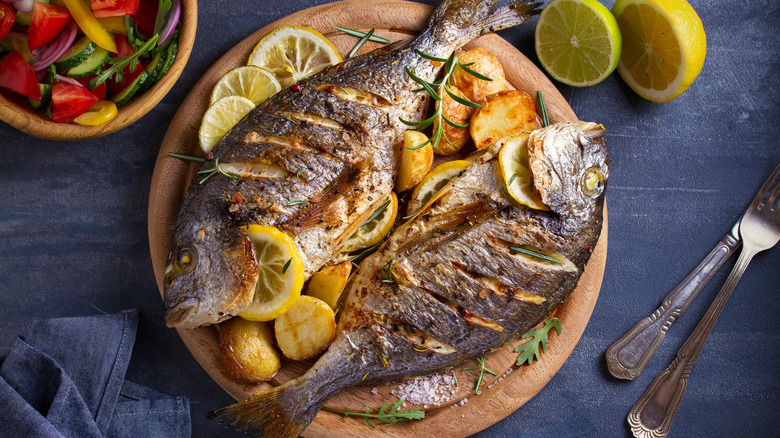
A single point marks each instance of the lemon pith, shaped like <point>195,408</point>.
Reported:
<point>254,83</point>
<point>220,118</point>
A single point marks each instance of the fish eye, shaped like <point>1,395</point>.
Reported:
<point>593,181</point>
<point>185,261</point>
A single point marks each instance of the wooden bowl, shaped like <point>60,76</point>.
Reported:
<point>15,110</point>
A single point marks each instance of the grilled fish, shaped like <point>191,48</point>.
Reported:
<point>315,160</point>
<point>468,274</point>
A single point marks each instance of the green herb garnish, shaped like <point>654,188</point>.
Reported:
<point>543,110</point>
<point>359,34</point>
<point>386,416</point>
<point>482,370</point>
<point>364,253</point>
<point>287,265</point>
<point>514,175</point>
<point>443,86</point>
<point>360,43</point>
<point>377,213</point>
<point>529,351</point>
<point>291,203</point>
<point>186,157</point>
<point>117,64</point>
<point>389,273</point>
<point>531,253</point>
<point>213,171</point>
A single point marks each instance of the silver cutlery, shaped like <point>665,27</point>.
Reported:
<point>759,230</point>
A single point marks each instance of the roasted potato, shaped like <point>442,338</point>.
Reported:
<point>415,163</point>
<point>306,329</point>
<point>328,283</point>
<point>484,62</point>
<point>248,349</point>
<point>506,113</point>
<point>458,113</point>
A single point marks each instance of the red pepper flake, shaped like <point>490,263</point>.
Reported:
<point>261,188</point>
<point>296,88</point>
<point>209,156</point>
<point>238,198</point>
<point>590,249</point>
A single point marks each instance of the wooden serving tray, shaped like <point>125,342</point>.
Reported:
<point>394,20</point>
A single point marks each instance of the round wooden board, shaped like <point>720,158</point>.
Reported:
<point>394,20</point>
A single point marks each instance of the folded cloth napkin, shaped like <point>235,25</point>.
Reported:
<point>66,378</point>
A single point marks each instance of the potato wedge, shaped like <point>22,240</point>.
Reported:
<point>415,163</point>
<point>506,113</point>
<point>484,62</point>
<point>458,113</point>
<point>306,329</point>
<point>248,349</point>
<point>328,283</point>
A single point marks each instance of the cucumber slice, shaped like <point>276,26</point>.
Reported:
<point>45,96</point>
<point>91,65</point>
<point>173,49</point>
<point>77,54</point>
<point>123,96</point>
<point>155,68</point>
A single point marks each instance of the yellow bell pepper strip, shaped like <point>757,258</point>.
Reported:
<point>115,25</point>
<point>89,24</point>
<point>101,112</point>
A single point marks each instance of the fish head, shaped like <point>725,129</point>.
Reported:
<point>210,275</point>
<point>569,167</point>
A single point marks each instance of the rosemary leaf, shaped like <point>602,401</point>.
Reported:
<point>532,253</point>
<point>186,157</point>
<point>291,203</point>
<point>453,124</point>
<point>359,34</point>
<point>543,110</point>
<point>389,273</point>
<point>365,252</point>
<point>475,73</point>
<point>529,351</point>
<point>431,57</point>
<point>425,85</point>
<point>461,100</point>
<point>360,43</point>
<point>419,145</point>
<point>377,213</point>
<point>287,265</point>
<point>514,175</point>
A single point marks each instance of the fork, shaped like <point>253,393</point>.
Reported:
<point>759,229</point>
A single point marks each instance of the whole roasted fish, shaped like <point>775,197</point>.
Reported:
<point>315,160</point>
<point>470,273</point>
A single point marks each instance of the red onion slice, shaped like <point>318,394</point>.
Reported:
<point>23,5</point>
<point>68,80</point>
<point>171,22</point>
<point>52,51</point>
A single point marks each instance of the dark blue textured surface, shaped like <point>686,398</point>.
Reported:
<point>73,236</point>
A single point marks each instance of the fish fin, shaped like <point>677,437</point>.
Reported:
<point>325,210</point>
<point>283,411</point>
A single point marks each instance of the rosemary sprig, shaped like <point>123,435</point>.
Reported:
<point>389,273</point>
<point>360,43</point>
<point>291,203</point>
<point>538,255</point>
<point>377,213</point>
<point>386,416</point>
<point>117,64</point>
<point>359,34</point>
<point>437,90</point>
<point>186,157</point>
<point>287,265</point>
<point>365,252</point>
<point>213,171</point>
<point>529,351</point>
<point>543,110</point>
<point>482,370</point>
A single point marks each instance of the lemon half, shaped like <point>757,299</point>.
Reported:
<point>220,118</point>
<point>514,170</point>
<point>281,274</point>
<point>292,53</point>
<point>664,46</point>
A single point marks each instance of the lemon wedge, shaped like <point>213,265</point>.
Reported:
<point>664,46</point>
<point>220,117</point>
<point>577,41</point>
<point>376,227</point>
<point>254,83</point>
<point>281,274</point>
<point>515,174</point>
<point>292,53</point>
<point>426,191</point>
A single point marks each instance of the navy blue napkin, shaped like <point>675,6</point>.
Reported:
<point>66,378</point>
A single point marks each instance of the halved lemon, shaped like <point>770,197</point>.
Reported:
<point>577,41</point>
<point>515,173</point>
<point>664,46</point>
<point>426,191</point>
<point>376,227</point>
<point>220,117</point>
<point>254,83</point>
<point>292,53</point>
<point>281,274</point>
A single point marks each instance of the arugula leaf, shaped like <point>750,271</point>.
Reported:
<point>394,415</point>
<point>529,351</point>
<point>117,64</point>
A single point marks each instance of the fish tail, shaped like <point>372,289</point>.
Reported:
<point>283,411</point>
<point>455,20</point>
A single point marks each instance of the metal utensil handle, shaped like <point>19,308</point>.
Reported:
<point>653,413</point>
<point>628,356</point>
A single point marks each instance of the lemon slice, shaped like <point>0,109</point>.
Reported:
<point>293,53</point>
<point>376,227</point>
<point>426,191</point>
<point>220,117</point>
<point>281,274</point>
<point>577,41</point>
<point>664,46</point>
<point>515,174</point>
<point>254,83</point>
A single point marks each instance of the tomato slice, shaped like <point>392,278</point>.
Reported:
<point>114,8</point>
<point>17,75</point>
<point>47,22</point>
<point>146,15</point>
<point>122,46</point>
<point>99,91</point>
<point>70,101</point>
<point>7,17</point>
